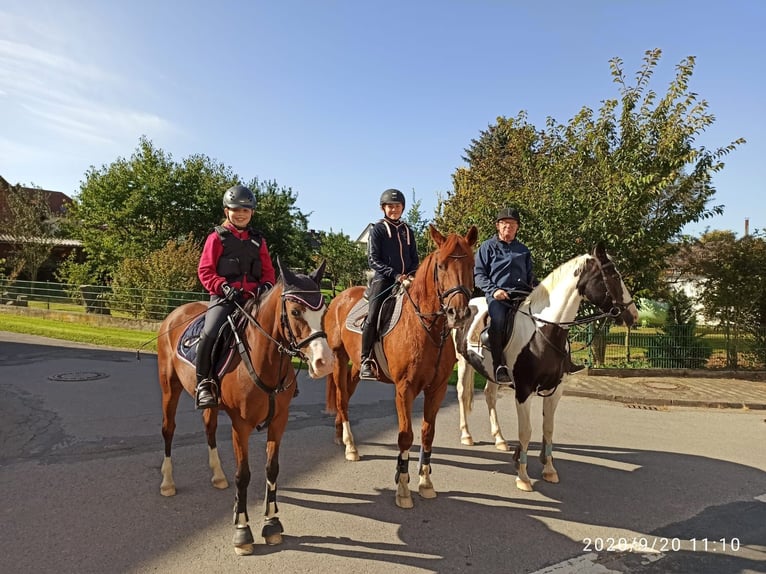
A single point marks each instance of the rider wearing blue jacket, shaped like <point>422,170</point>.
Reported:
<point>393,256</point>
<point>503,271</point>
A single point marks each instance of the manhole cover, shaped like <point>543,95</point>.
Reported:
<point>78,376</point>
<point>664,386</point>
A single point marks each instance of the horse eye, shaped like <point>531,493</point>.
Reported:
<point>296,313</point>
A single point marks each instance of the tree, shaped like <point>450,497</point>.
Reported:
<point>346,260</point>
<point>414,218</point>
<point>282,223</point>
<point>150,285</point>
<point>134,207</point>
<point>29,220</point>
<point>678,347</point>
<point>731,274</point>
<point>630,176</point>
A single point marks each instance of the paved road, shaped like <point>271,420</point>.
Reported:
<point>79,483</point>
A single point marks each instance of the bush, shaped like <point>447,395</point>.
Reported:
<point>677,347</point>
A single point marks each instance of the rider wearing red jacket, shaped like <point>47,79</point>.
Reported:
<point>235,265</point>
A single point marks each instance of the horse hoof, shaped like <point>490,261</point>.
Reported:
<point>352,456</point>
<point>244,550</point>
<point>273,540</point>
<point>466,440</point>
<point>427,492</point>
<point>272,531</point>
<point>551,477</point>
<point>404,502</point>
<point>220,483</point>
<point>502,445</point>
<point>168,490</point>
<point>524,485</point>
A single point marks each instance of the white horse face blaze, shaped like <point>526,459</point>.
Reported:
<point>321,359</point>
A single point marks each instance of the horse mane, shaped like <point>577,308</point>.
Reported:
<point>573,267</point>
<point>418,286</point>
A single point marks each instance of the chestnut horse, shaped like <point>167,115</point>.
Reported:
<point>419,356</point>
<point>256,389</point>
<point>538,352</point>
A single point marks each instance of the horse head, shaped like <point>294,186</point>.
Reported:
<point>603,286</point>
<point>453,273</point>
<point>303,309</point>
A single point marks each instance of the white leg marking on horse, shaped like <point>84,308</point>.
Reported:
<point>168,487</point>
<point>525,435</point>
<point>464,388</point>
<point>219,478</point>
<point>403,495</point>
<point>348,440</point>
<point>490,395</point>
<point>549,412</point>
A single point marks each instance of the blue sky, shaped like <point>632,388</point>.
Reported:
<point>340,100</point>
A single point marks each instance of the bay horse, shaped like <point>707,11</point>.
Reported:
<point>538,352</point>
<point>417,358</point>
<point>256,388</point>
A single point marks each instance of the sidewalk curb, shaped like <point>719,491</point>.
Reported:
<point>649,401</point>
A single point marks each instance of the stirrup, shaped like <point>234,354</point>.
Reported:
<point>368,370</point>
<point>503,375</point>
<point>206,394</point>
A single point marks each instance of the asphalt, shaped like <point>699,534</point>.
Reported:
<point>645,389</point>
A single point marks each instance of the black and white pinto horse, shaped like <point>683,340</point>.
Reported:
<point>538,352</point>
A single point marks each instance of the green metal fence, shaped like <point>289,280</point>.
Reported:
<point>707,347</point>
<point>123,302</point>
<point>703,347</point>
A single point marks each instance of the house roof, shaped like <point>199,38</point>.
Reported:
<point>57,201</point>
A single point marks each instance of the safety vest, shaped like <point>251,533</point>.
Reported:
<point>240,257</point>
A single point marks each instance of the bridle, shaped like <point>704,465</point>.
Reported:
<point>444,296</point>
<point>292,349</point>
<point>618,308</point>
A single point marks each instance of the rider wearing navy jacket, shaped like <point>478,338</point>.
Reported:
<point>393,256</point>
<point>503,271</point>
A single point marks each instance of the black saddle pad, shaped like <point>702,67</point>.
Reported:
<point>223,349</point>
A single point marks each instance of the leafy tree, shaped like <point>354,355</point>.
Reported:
<point>282,223</point>
<point>414,218</point>
<point>629,175</point>
<point>134,207</point>
<point>731,274</point>
<point>150,286</point>
<point>30,221</point>
<point>346,260</point>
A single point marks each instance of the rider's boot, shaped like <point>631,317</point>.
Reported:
<point>500,370</point>
<point>206,393</point>
<point>368,371</point>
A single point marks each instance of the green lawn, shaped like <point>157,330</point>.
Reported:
<point>79,332</point>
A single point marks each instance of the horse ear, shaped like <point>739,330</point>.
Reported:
<point>472,236</point>
<point>288,277</point>
<point>318,273</point>
<point>599,251</point>
<point>436,236</point>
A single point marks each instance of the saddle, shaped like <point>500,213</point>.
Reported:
<point>390,313</point>
<point>484,335</point>
<point>224,348</point>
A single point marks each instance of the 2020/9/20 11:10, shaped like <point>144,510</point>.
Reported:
<point>660,544</point>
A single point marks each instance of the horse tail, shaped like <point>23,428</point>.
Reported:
<point>331,393</point>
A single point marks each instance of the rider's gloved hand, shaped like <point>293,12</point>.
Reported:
<point>263,288</point>
<point>229,292</point>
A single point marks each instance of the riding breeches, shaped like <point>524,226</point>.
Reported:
<point>378,293</point>
<point>215,318</point>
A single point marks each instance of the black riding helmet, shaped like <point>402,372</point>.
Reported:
<point>392,196</point>
<point>508,213</point>
<point>238,196</point>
